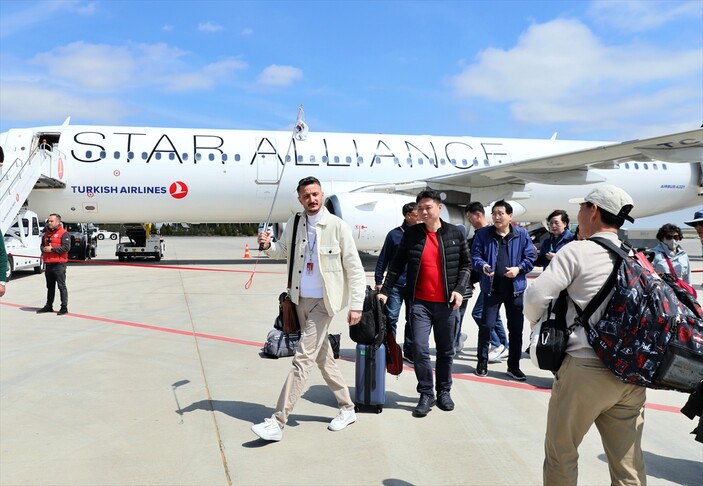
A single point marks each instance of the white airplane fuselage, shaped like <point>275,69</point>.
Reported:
<point>121,174</point>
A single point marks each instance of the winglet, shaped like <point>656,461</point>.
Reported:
<point>66,122</point>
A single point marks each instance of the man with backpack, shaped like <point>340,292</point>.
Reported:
<point>584,390</point>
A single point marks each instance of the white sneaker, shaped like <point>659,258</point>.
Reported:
<point>460,345</point>
<point>496,354</point>
<point>269,429</point>
<point>344,418</point>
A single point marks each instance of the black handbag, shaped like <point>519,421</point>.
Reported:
<point>553,336</point>
<point>287,314</point>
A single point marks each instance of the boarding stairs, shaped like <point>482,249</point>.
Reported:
<point>30,161</point>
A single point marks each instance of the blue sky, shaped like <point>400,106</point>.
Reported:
<point>597,70</point>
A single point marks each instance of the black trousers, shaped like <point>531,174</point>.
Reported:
<point>55,274</point>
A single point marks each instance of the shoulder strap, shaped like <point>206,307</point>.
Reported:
<point>292,247</point>
<point>671,267</point>
<point>585,315</point>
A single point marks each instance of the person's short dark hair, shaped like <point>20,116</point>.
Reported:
<point>669,229</point>
<point>57,216</point>
<point>608,219</point>
<point>306,181</point>
<point>505,204</point>
<point>559,212</point>
<point>409,208</point>
<point>429,194</point>
<point>475,207</point>
<point>2,156</point>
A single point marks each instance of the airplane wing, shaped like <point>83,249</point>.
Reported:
<point>564,168</point>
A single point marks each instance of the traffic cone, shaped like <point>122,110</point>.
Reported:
<point>246,251</point>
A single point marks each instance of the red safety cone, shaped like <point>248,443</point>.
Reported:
<point>246,251</point>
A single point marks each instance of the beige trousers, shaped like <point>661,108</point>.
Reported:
<point>314,347</point>
<point>586,392</point>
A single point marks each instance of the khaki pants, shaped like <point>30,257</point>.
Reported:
<point>314,347</point>
<point>586,392</point>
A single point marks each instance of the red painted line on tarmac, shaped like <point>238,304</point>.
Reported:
<point>465,377</point>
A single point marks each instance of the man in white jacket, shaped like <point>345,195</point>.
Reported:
<point>327,272</point>
<point>584,390</point>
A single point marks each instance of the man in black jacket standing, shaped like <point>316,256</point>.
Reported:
<point>438,268</point>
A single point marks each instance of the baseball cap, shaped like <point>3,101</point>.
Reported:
<point>611,199</point>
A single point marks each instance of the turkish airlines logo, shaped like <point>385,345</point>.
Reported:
<point>178,190</point>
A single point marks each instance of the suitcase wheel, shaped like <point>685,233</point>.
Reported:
<point>379,409</point>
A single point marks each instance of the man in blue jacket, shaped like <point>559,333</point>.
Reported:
<point>504,255</point>
<point>395,299</point>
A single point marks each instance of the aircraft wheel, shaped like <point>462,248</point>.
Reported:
<point>40,268</point>
<point>101,236</point>
<point>113,236</point>
<point>10,268</point>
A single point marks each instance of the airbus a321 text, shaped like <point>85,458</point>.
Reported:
<point>113,174</point>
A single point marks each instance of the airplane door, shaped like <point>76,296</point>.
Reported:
<point>268,164</point>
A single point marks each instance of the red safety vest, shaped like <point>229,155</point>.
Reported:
<point>53,238</point>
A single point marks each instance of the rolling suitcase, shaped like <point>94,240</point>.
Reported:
<point>370,377</point>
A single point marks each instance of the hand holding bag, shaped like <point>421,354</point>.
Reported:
<point>286,308</point>
<point>551,336</point>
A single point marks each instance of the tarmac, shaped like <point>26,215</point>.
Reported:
<point>155,378</point>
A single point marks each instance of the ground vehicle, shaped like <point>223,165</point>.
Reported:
<point>83,245</point>
<point>103,234</point>
<point>143,243</point>
<point>23,244</point>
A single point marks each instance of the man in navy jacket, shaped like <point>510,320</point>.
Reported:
<point>503,255</point>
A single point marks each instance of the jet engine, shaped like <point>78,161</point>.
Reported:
<point>372,215</point>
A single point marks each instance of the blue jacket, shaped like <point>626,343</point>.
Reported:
<point>549,246</point>
<point>390,246</point>
<point>521,253</point>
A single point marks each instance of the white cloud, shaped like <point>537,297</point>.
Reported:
<point>561,72</point>
<point>209,27</point>
<point>26,102</point>
<point>275,75</point>
<point>638,16</point>
<point>225,67</point>
<point>167,28</point>
<point>247,32</point>
<point>40,13</point>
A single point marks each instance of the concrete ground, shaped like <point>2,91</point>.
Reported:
<point>155,378</point>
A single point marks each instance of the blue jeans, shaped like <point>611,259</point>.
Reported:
<point>516,318</point>
<point>393,304</point>
<point>498,336</point>
<point>425,316</point>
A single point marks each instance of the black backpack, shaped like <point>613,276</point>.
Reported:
<point>371,329</point>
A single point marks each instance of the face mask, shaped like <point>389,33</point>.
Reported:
<point>670,243</point>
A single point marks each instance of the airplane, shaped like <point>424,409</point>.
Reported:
<point>114,174</point>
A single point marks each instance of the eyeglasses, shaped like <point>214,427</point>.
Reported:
<point>672,237</point>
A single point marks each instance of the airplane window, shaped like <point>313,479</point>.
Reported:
<point>158,156</point>
<point>145,156</point>
<point>377,160</point>
<point>627,165</point>
<point>102,154</point>
<point>116,155</point>
<point>312,158</point>
<point>348,159</point>
<point>637,166</point>
<point>453,161</point>
<point>485,163</point>
<point>664,167</point>
<point>431,161</point>
<point>171,156</point>
<point>654,166</point>
<point>198,156</point>
<point>211,157</point>
<point>360,160</point>
<point>464,162</point>
<point>300,158</point>
<point>410,161</point>
<point>237,157</point>
<point>442,161</point>
<point>336,159</point>
<point>185,156</point>
<point>130,155</point>
<point>396,161</point>
<point>475,162</point>
<point>88,154</point>
<point>645,166</point>
<point>324,159</point>
<point>420,161</point>
<point>287,158</point>
<point>224,158</point>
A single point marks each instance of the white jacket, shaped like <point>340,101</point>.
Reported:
<point>340,266</point>
<point>679,261</point>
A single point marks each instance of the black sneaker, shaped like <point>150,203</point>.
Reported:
<point>516,374</point>
<point>62,311</point>
<point>481,368</point>
<point>444,401</point>
<point>424,405</point>
<point>45,309</point>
